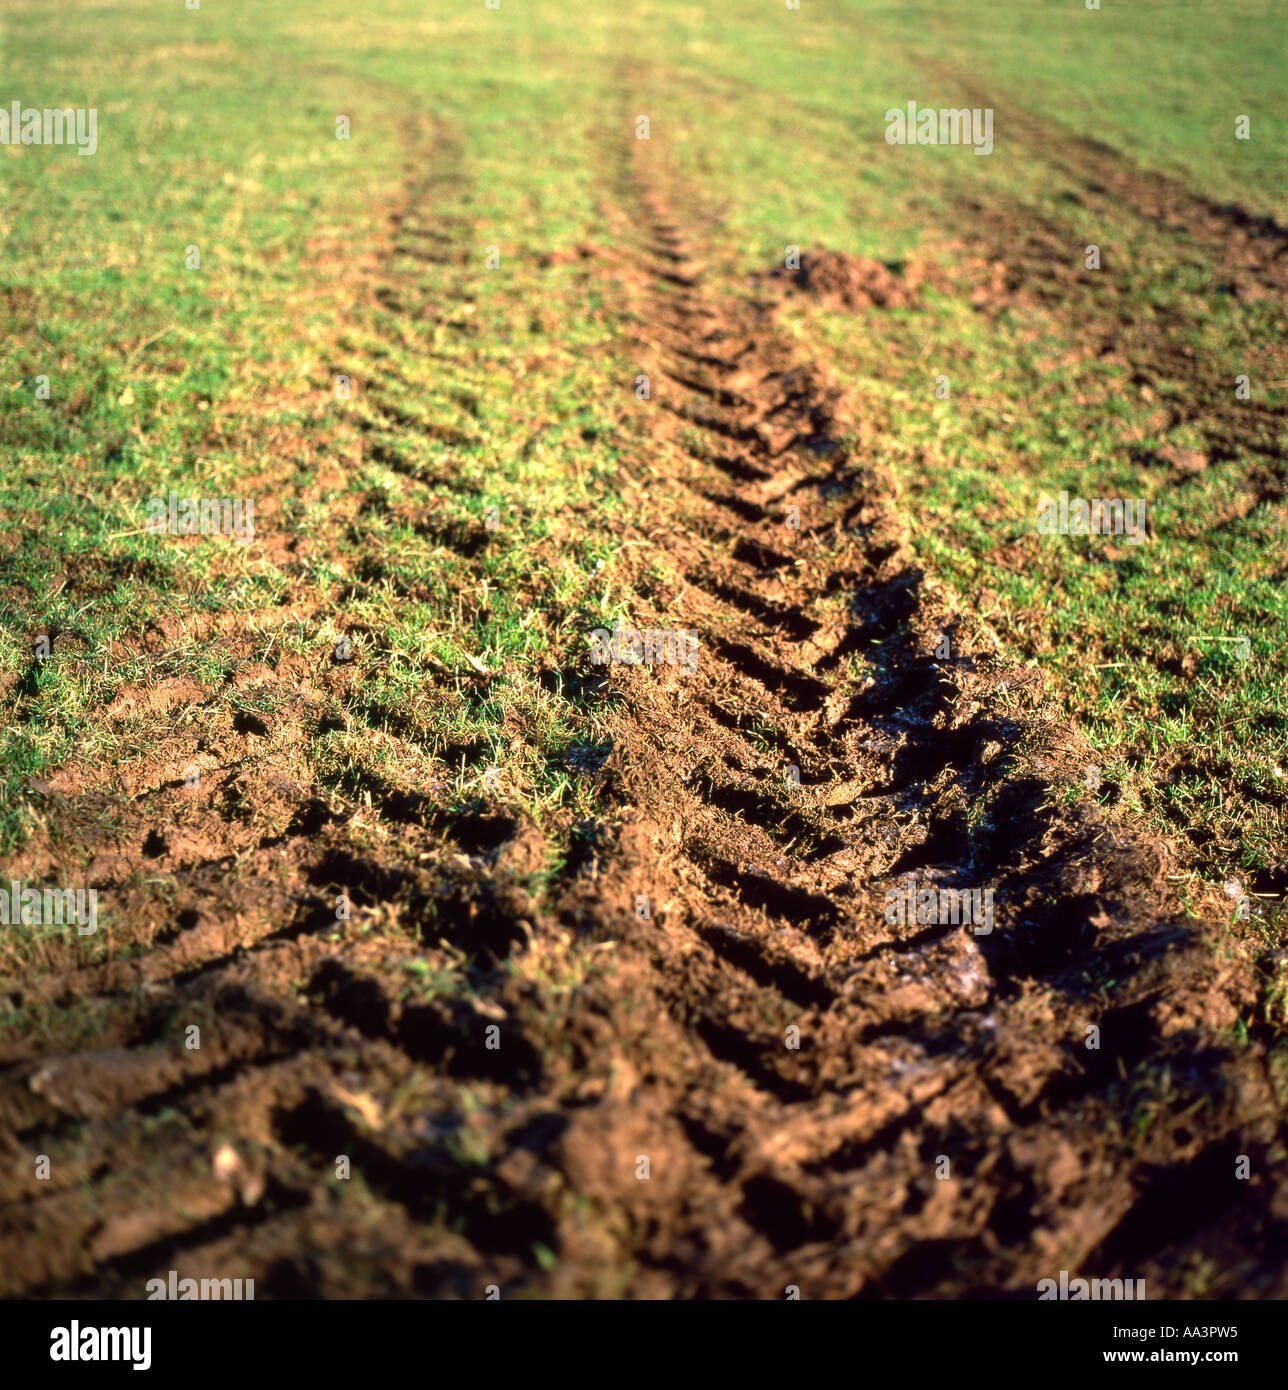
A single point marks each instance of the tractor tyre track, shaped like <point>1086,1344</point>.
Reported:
<point>646,1126</point>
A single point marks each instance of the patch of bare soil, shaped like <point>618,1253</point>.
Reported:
<point>845,281</point>
<point>704,1057</point>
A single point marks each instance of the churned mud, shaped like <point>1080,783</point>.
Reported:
<point>841,280</point>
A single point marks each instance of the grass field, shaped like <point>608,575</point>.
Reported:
<point>395,277</point>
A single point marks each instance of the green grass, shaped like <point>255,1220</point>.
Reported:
<point>1084,70</point>
<point>505,393</point>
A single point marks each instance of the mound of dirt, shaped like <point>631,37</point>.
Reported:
<point>853,282</point>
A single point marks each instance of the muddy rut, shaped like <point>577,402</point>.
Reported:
<point>705,1062</point>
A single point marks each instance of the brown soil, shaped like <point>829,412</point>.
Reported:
<point>852,282</point>
<point>942,1129</point>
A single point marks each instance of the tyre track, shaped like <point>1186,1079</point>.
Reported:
<point>995,1021</point>
<point>133,1126</point>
